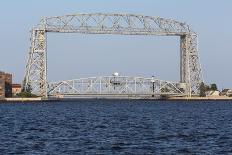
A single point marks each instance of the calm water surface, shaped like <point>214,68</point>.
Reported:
<point>116,127</point>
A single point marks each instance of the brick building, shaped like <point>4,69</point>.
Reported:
<point>2,89</point>
<point>5,85</point>
<point>16,89</point>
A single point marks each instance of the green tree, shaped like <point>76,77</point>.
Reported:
<point>213,87</point>
<point>28,89</point>
<point>26,92</point>
<point>207,88</point>
<point>202,89</point>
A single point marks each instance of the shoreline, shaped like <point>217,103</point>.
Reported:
<point>201,98</point>
<point>39,99</point>
<point>25,100</point>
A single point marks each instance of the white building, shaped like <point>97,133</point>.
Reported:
<point>213,93</point>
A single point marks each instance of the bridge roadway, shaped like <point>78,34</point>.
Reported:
<point>116,87</point>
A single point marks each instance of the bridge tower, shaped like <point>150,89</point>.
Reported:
<point>35,79</point>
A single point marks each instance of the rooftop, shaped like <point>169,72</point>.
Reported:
<point>16,85</point>
<point>1,72</point>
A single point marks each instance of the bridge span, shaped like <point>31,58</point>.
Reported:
<point>116,87</point>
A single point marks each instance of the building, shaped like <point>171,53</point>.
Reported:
<point>226,92</point>
<point>229,93</point>
<point>16,89</point>
<point>212,93</point>
<point>2,89</point>
<point>5,85</point>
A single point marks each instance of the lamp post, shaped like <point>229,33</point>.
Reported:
<point>153,85</point>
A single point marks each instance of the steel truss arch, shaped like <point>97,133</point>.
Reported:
<point>116,85</point>
<point>107,23</point>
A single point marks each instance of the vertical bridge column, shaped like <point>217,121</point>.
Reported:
<point>183,55</point>
<point>36,70</point>
<point>190,69</point>
<point>184,63</point>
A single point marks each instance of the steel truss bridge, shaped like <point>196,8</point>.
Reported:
<point>35,78</point>
<point>119,86</point>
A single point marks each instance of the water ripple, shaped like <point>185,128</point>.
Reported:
<point>116,127</point>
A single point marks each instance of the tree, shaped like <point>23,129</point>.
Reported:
<point>207,88</point>
<point>26,92</point>
<point>213,87</point>
<point>28,89</point>
<point>202,89</point>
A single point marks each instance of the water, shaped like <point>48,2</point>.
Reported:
<point>116,127</point>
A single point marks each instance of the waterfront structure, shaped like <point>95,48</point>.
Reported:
<point>229,93</point>
<point>5,85</point>
<point>2,89</point>
<point>116,86</point>
<point>16,89</point>
<point>226,92</point>
<point>35,77</point>
<point>212,93</point>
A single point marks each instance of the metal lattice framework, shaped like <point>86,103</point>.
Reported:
<point>121,24</point>
<point>116,85</point>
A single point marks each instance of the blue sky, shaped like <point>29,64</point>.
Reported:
<point>76,55</point>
